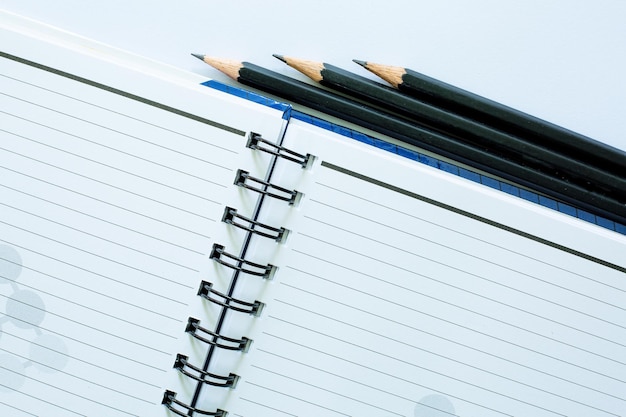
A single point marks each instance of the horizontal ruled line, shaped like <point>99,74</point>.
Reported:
<point>123,114</point>
<point>8,388</point>
<point>76,358</point>
<point>479,258</point>
<point>410,400</point>
<point>173,281</point>
<point>471,216</point>
<point>499,321</point>
<point>76,376</point>
<point>39,326</point>
<point>417,366</point>
<point>100,238</point>
<point>16,408</point>
<point>96,329</point>
<point>327,390</point>
<point>395,358</point>
<point>104,202</point>
<point>534,387</point>
<point>93,142</point>
<point>110,185</point>
<point>473,237</point>
<point>115,131</point>
<point>266,406</point>
<point>143,290</point>
<point>468,291</point>
<point>122,93</point>
<point>100,219</point>
<point>113,149</point>
<point>132,174</point>
<point>40,291</point>
<point>108,296</point>
<point>451,340</point>
<point>71,393</point>
<point>296,398</point>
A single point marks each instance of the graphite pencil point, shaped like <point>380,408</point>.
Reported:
<point>282,58</point>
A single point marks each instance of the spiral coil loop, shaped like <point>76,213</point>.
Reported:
<point>239,264</point>
<point>265,271</point>
<point>255,140</point>
<point>279,233</point>
<point>206,289</point>
<point>290,196</point>
<point>169,400</point>
<point>182,362</point>
<point>193,327</point>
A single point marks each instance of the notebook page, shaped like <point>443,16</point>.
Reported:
<point>110,193</point>
<point>411,292</point>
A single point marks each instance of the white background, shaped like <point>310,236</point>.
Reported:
<point>561,60</point>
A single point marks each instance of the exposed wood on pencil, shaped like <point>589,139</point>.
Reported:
<point>542,156</point>
<point>227,66</point>
<point>499,116</point>
<point>506,165</point>
<point>393,75</point>
<point>311,69</point>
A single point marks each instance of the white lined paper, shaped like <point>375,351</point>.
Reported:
<point>386,300</point>
<point>109,206</point>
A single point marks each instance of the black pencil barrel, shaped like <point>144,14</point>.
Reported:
<point>511,120</point>
<point>583,173</point>
<point>392,126</point>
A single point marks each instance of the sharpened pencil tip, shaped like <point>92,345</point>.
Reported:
<point>200,57</point>
<point>282,58</point>
<point>227,66</point>
<point>361,63</point>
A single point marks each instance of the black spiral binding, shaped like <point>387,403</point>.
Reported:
<point>182,363</point>
<point>193,327</point>
<point>279,234</point>
<point>265,271</point>
<point>240,265</point>
<point>254,141</point>
<point>206,289</point>
<point>169,400</point>
<point>243,179</point>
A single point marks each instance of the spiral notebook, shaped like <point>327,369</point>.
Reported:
<point>171,249</point>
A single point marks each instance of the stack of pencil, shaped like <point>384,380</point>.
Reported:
<point>457,124</point>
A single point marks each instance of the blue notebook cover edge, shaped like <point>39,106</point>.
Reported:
<point>523,193</point>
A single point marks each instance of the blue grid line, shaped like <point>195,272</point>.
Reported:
<point>424,159</point>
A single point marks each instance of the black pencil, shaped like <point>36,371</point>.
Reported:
<point>517,148</point>
<point>359,114</point>
<point>499,116</point>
